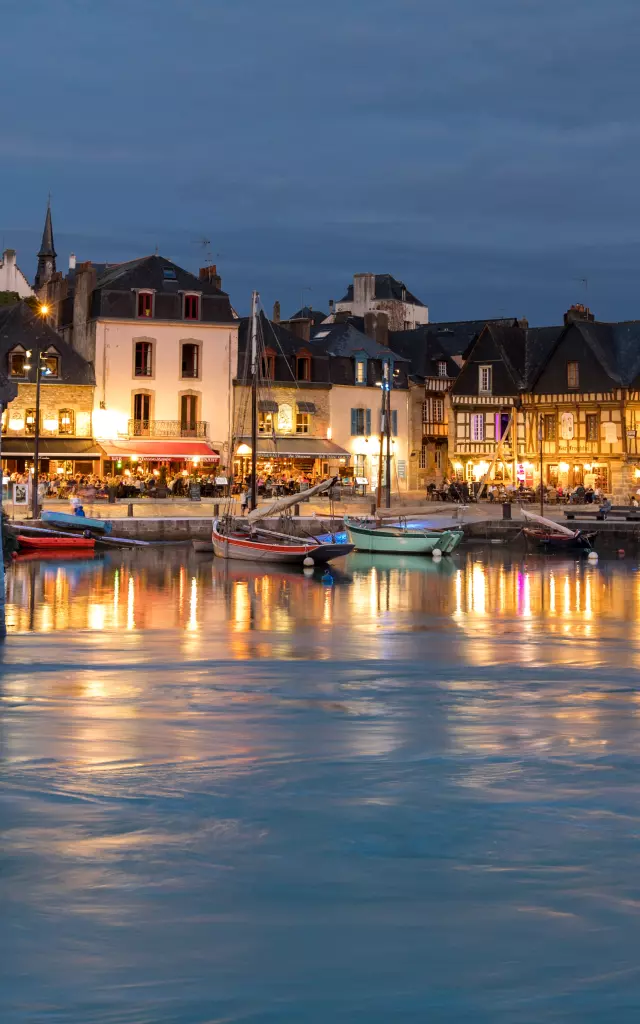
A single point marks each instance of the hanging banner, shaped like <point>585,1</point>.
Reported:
<point>566,426</point>
<point>610,432</point>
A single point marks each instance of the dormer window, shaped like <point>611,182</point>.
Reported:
<point>303,367</point>
<point>145,304</point>
<point>442,369</point>
<point>573,376</point>
<point>169,274</point>
<point>361,371</point>
<point>18,363</point>
<point>484,380</point>
<point>50,363</point>
<point>268,366</point>
<point>192,307</point>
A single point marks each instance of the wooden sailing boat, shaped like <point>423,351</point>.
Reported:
<point>551,536</point>
<point>249,538</point>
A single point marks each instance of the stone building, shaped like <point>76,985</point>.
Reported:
<point>11,277</point>
<point>66,397</point>
<point>371,292</point>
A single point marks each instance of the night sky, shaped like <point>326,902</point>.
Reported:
<point>484,151</point>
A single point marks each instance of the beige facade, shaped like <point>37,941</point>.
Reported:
<point>364,447</point>
<point>429,405</point>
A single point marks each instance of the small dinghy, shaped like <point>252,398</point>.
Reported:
<point>49,544</point>
<point>549,536</point>
<point>371,536</point>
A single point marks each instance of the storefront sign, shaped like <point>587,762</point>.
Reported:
<point>21,494</point>
<point>631,433</point>
<point>221,481</point>
<point>194,492</point>
<point>402,469</point>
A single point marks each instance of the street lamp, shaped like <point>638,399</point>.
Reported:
<point>40,370</point>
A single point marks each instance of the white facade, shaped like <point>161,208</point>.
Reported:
<point>403,314</point>
<point>117,382</point>
<point>11,277</point>
<point>364,448</point>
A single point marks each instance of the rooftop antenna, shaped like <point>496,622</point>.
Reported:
<point>307,289</point>
<point>206,245</point>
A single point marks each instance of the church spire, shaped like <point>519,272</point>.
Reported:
<point>47,253</point>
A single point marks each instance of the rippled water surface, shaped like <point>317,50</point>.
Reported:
<point>231,795</point>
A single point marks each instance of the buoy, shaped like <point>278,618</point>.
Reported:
<point>621,552</point>
<point>327,579</point>
<point>436,553</point>
<point>592,556</point>
<point>309,562</point>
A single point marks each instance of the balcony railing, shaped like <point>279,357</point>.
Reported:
<point>168,428</point>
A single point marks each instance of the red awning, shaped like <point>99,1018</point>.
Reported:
<point>185,450</point>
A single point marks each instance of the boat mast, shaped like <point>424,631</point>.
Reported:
<point>387,426</point>
<point>254,398</point>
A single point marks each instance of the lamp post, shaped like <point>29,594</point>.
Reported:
<point>42,311</point>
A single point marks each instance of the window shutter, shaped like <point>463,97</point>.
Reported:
<point>394,422</point>
<point>354,422</point>
<point>367,417</point>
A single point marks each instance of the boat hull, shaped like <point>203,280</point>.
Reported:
<point>385,543</point>
<point>76,522</point>
<point>56,543</point>
<point>548,541</point>
<point>248,550</point>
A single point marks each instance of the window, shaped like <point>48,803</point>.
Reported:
<point>30,421</point>
<point>188,414</point>
<point>360,422</point>
<point>268,367</point>
<point>143,359</point>
<point>477,426</point>
<point>442,369</point>
<point>437,458</point>
<point>303,422</point>
<point>592,426</point>
<point>422,458</point>
<point>66,423</point>
<point>265,422</point>
<point>17,362</point>
<point>484,380</point>
<point>192,307</point>
<point>549,427</point>
<point>190,364</point>
<point>359,465</point>
<point>169,274</point>
<point>145,304</point>
<point>437,404</point>
<point>573,375</point>
<point>50,363</point>
<point>303,368</point>
<point>361,371</point>
<point>141,414</point>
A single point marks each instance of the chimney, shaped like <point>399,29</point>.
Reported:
<point>578,312</point>
<point>301,328</point>
<point>376,326</point>
<point>276,312</point>
<point>83,338</point>
<point>210,276</point>
<point>523,323</point>
<point>9,257</point>
<point>364,292</point>
<point>331,305</point>
<point>72,261</point>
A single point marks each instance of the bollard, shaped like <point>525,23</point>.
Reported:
<point>112,495</point>
<point>130,509</point>
<point>373,508</point>
<point>216,511</point>
<point>296,510</point>
<point>506,510</point>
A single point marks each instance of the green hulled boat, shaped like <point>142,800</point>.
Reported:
<point>368,535</point>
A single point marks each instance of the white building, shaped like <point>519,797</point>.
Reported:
<point>371,292</point>
<point>11,277</point>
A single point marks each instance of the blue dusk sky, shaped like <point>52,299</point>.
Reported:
<point>484,151</point>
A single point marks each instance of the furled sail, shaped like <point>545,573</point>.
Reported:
<point>555,527</point>
<point>280,504</point>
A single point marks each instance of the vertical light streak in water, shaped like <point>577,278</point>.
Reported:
<point>116,598</point>
<point>373,591</point>
<point>327,607</point>
<point>577,594</point>
<point>567,596</point>
<point>526,596</point>
<point>502,591</point>
<point>552,594</point>
<point>131,622</point>
<point>181,582</point>
<point>479,589</point>
<point>458,612</point>
<point>588,608</point>
<point>241,605</point>
<point>192,624</point>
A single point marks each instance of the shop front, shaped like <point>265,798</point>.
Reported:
<point>566,475</point>
<point>135,458</point>
<point>57,456</point>
<point>291,459</point>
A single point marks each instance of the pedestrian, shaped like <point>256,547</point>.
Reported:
<point>244,501</point>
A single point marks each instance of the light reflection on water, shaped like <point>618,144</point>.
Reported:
<point>240,795</point>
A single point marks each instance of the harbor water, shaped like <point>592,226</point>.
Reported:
<point>407,793</point>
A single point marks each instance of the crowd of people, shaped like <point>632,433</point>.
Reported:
<point>461,491</point>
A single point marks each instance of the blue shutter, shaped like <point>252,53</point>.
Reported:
<point>354,422</point>
<point>394,422</point>
<point>367,428</point>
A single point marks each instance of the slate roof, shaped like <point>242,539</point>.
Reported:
<point>148,272</point>
<point>274,336</point>
<point>19,325</point>
<point>616,346</point>
<point>342,339</point>
<point>387,287</point>
<point>539,342</point>
<point>307,313</point>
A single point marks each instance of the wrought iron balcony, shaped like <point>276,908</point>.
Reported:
<point>168,428</point>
